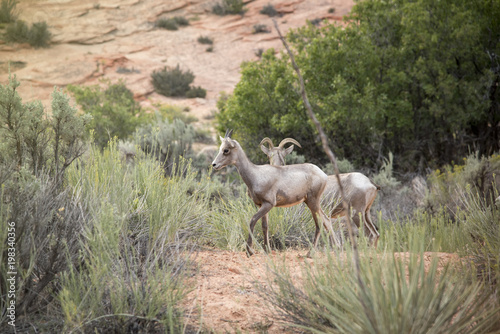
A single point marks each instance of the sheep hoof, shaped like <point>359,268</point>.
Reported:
<point>310,254</point>
<point>250,251</point>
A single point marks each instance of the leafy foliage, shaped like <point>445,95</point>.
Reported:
<point>418,79</point>
<point>115,112</point>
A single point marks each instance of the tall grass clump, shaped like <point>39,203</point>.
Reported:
<point>401,295</point>
<point>131,274</point>
<point>481,221</point>
<point>7,11</point>
<point>205,40</point>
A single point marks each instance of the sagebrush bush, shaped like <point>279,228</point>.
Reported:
<point>481,221</point>
<point>35,153</point>
<point>205,40</point>
<point>7,11</point>
<point>167,141</point>
<point>168,24</point>
<point>172,81</point>
<point>196,92</point>
<point>269,10</point>
<point>446,185</point>
<point>260,28</point>
<point>172,23</point>
<point>38,35</point>
<point>226,7</point>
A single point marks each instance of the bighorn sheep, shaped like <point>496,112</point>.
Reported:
<point>359,190</point>
<point>275,186</point>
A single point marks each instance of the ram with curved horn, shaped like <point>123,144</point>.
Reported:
<point>359,190</point>
<point>277,154</point>
<point>276,186</point>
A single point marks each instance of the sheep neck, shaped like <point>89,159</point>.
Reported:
<point>245,167</point>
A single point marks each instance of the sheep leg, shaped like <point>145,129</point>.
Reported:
<point>316,234</point>
<point>264,209</point>
<point>372,228</point>
<point>267,246</point>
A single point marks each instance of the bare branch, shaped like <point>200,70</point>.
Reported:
<point>331,156</point>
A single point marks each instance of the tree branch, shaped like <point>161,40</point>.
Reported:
<point>331,156</point>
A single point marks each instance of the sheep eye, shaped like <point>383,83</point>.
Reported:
<point>226,151</point>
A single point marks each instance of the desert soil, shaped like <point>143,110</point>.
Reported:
<point>226,295</point>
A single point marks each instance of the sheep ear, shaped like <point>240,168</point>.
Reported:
<point>264,149</point>
<point>289,150</point>
<point>221,139</point>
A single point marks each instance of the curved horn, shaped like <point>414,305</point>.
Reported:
<point>289,140</point>
<point>228,133</point>
<point>267,140</point>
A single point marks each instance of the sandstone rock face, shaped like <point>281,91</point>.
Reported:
<point>117,40</point>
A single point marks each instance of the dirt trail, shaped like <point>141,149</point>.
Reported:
<point>225,292</point>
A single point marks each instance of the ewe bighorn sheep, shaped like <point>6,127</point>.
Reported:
<point>275,186</point>
<point>359,190</point>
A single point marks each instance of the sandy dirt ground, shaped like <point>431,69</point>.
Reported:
<point>225,294</point>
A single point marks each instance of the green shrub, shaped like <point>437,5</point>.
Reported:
<point>205,40</point>
<point>196,92</point>
<point>181,21</point>
<point>17,32</point>
<point>260,28</point>
<point>172,81</point>
<point>114,110</point>
<point>171,23</point>
<point>37,36</point>
<point>7,11</point>
<point>227,7</point>
<point>269,10</point>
